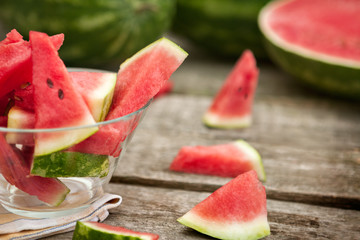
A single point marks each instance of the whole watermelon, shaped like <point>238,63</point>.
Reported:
<point>222,27</point>
<point>97,32</point>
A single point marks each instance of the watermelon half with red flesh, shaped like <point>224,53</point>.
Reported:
<point>232,106</point>
<point>224,160</point>
<point>139,79</point>
<point>57,103</point>
<point>95,230</point>
<point>237,210</point>
<point>316,41</point>
<point>16,169</point>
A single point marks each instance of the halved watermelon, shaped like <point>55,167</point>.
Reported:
<point>225,160</point>
<point>232,106</point>
<point>316,41</point>
<point>15,169</point>
<point>97,89</point>
<point>237,210</point>
<point>139,79</point>
<point>53,87</point>
<point>95,230</point>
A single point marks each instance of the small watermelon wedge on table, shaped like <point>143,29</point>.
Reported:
<point>232,106</point>
<point>95,230</point>
<point>235,211</point>
<point>316,41</point>
<point>224,160</point>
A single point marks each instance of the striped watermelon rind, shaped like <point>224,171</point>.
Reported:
<point>223,27</point>
<point>97,32</point>
<point>335,76</point>
<point>94,231</point>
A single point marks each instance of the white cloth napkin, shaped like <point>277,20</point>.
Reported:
<point>16,227</point>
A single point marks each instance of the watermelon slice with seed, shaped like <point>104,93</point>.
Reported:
<point>232,106</point>
<point>139,79</point>
<point>15,60</point>
<point>15,167</point>
<point>237,210</point>
<point>95,230</point>
<point>224,160</point>
<point>53,87</point>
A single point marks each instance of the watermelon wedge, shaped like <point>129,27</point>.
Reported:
<point>53,87</point>
<point>15,60</point>
<point>316,42</point>
<point>20,119</point>
<point>224,160</point>
<point>15,169</point>
<point>232,106</point>
<point>97,89</point>
<point>139,79</point>
<point>237,210</point>
<point>95,230</point>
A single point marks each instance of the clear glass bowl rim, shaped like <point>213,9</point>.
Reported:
<point>38,130</point>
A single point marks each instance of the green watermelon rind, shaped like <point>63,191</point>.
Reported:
<point>253,156</point>
<point>225,28</point>
<point>335,76</point>
<point>88,231</point>
<point>124,26</point>
<point>254,229</point>
<point>70,164</point>
<point>214,120</point>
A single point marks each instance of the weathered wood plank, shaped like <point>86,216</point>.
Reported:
<point>156,210</point>
<point>310,148</point>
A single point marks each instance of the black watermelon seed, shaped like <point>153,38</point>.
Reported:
<point>60,94</point>
<point>50,83</point>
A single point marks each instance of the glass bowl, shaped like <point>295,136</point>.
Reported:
<point>101,155</point>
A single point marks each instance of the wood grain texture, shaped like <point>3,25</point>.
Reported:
<point>310,150</point>
<point>152,209</point>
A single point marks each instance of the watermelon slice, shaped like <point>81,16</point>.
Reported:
<point>224,160</point>
<point>15,60</point>
<point>20,119</point>
<point>16,169</point>
<point>97,89</point>
<point>53,88</point>
<point>232,106</point>
<point>95,230</point>
<point>139,79</point>
<point>237,210</point>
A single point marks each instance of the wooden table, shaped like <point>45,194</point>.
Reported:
<point>310,145</point>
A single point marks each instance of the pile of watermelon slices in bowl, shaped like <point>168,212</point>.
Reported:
<point>63,131</point>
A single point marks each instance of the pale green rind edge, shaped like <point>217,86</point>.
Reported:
<point>254,157</point>
<point>256,229</point>
<point>332,75</point>
<point>176,51</point>
<point>86,231</point>
<point>213,120</point>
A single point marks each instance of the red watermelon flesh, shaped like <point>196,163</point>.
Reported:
<point>3,121</point>
<point>15,169</point>
<point>232,106</point>
<point>139,79</point>
<point>299,22</point>
<point>237,210</point>
<point>53,88</point>
<point>224,160</point>
<point>166,88</point>
<point>15,61</point>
